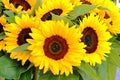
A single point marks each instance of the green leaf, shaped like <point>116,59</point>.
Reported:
<point>87,72</point>
<point>50,76</point>
<point>1,53</point>
<point>27,75</point>
<point>81,10</point>
<point>2,35</point>
<point>115,47</point>
<point>111,71</point>
<point>101,70</point>
<point>103,8</point>
<point>66,20</point>
<point>114,58</point>
<point>106,70</point>
<point>22,48</point>
<point>10,69</point>
<point>10,16</point>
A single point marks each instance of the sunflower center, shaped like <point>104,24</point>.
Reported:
<point>22,3</point>
<point>90,38</point>
<point>1,28</point>
<point>23,35</point>
<point>85,2</point>
<point>55,47</point>
<point>48,16</point>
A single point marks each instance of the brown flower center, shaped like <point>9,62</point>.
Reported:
<point>55,47</point>
<point>48,16</point>
<point>22,3</point>
<point>85,2</point>
<point>90,39</point>
<point>23,35</point>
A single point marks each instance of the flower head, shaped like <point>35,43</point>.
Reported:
<point>95,36</point>
<point>57,47</point>
<point>58,7</point>
<point>19,5</point>
<point>16,35</point>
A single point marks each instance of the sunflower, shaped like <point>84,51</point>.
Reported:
<point>58,7</point>
<point>2,24</point>
<point>110,16</point>
<point>57,47</point>
<point>16,35</point>
<point>19,5</point>
<point>112,21</point>
<point>96,37</point>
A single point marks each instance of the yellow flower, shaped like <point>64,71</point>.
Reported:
<point>16,35</point>
<point>95,36</point>
<point>2,24</point>
<point>19,5</point>
<point>57,47</point>
<point>110,16</point>
<point>58,7</point>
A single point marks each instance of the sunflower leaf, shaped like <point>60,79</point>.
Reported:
<point>66,20</point>
<point>114,56</point>
<point>80,10</point>
<point>87,72</point>
<point>2,35</point>
<point>27,75</point>
<point>50,76</point>
<point>10,69</point>
<point>103,8</point>
<point>10,16</point>
<point>101,70</point>
<point>22,48</point>
<point>111,71</point>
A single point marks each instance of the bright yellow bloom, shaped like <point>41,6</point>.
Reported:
<point>111,16</point>
<point>96,37</point>
<point>16,35</point>
<point>19,5</point>
<point>57,47</point>
<point>58,7</point>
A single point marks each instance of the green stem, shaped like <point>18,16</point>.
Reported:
<point>36,73</point>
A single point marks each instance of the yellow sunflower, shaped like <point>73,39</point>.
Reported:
<point>2,24</point>
<point>19,5</point>
<point>16,35</point>
<point>110,16</point>
<point>58,7</point>
<point>95,36</point>
<point>56,47</point>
